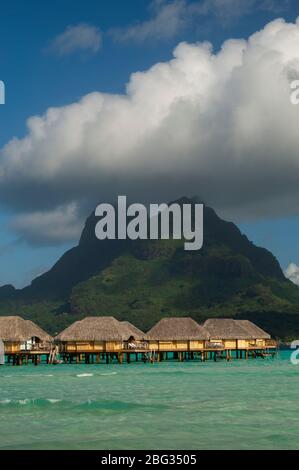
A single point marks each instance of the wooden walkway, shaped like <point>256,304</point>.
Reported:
<point>138,355</point>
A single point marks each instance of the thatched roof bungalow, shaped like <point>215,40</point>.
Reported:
<point>96,334</point>
<point>177,334</point>
<point>19,334</point>
<point>256,336</point>
<point>235,334</point>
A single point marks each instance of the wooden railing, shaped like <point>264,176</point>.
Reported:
<point>38,347</point>
<point>270,343</point>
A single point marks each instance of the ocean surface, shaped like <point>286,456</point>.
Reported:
<point>251,404</point>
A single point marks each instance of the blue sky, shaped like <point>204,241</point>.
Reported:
<point>39,74</point>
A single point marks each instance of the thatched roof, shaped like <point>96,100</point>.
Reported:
<point>138,334</point>
<point>14,328</point>
<point>39,332</point>
<point>224,328</point>
<point>176,328</point>
<point>228,328</point>
<point>254,331</point>
<point>96,329</point>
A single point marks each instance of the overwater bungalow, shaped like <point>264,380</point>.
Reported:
<point>236,335</point>
<point>177,334</point>
<point>98,336</point>
<point>224,333</point>
<point>256,336</point>
<point>95,338</point>
<point>23,339</point>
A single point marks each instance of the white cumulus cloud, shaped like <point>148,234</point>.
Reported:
<point>292,273</point>
<point>49,227</point>
<point>219,125</point>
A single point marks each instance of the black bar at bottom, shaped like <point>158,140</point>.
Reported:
<point>138,458</point>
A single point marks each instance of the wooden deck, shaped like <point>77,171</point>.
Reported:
<point>151,356</point>
<point>140,355</point>
<point>25,357</point>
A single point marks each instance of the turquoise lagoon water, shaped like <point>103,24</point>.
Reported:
<point>242,404</point>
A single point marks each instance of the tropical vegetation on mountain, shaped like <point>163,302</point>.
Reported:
<point>143,281</point>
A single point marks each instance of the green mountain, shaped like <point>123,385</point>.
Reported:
<point>142,281</point>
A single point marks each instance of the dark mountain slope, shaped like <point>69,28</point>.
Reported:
<point>143,281</point>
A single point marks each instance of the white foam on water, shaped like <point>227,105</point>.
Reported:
<point>36,375</point>
<point>84,375</point>
<point>27,375</point>
<point>109,373</point>
<point>24,402</point>
<point>29,401</point>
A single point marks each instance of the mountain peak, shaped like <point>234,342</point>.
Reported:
<point>144,280</point>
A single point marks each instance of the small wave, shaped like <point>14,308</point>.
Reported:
<point>26,401</point>
<point>109,373</point>
<point>84,375</point>
<point>26,375</point>
<point>30,401</point>
<point>89,405</point>
<point>35,375</point>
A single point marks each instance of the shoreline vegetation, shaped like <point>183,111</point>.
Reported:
<point>98,339</point>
